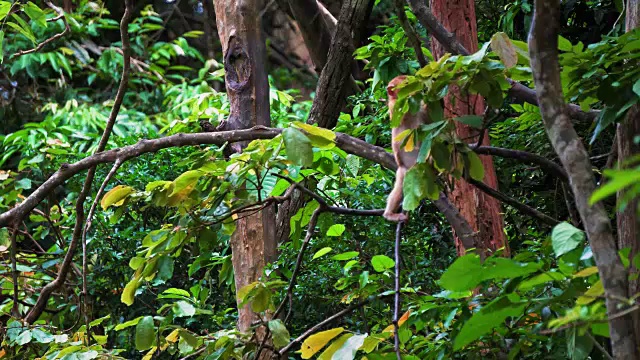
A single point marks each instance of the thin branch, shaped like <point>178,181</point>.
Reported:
<point>55,37</point>
<point>14,270</point>
<point>48,289</point>
<point>525,156</point>
<point>396,294</point>
<point>412,37</point>
<point>87,227</point>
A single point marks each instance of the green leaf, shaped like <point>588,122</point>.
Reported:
<point>381,263</point>
<point>471,120</point>
<point>41,336</point>
<point>419,182</point>
<point>467,272</point>
<point>115,196</point>
<point>280,333</point>
<point>353,164</point>
<point>128,324</point>
<point>5,6</point>
<point>540,279</point>
<point>317,341</point>
<point>182,308</point>
<point>620,180</point>
<point>130,290</point>
<point>636,85</point>
<point>261,299</point>
<point>488,318</point>
<point>345,255</point>
<point>145,333</point>
<point>476,169</point>
<point>328,353</point>
<point>336,230</point>
<point>184,184</point>
<point>35,14</point>
<point>321,252</point>
<point>564,44</point>
<point>502,45</point>
<point>566,237</point>
<point>24,183</point>
<point>23,28</point>
<point>24,338</point>
<point>320,137</point>
<point>1,52</point>
<point>347,351</point>
<point>298,147</point>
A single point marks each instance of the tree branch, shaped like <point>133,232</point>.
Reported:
<point>515,203</point>
<point>412,37</point>
<point>545,163</point>
<point>55,37</point>
<point>543,50</point>
<point>448,40</point>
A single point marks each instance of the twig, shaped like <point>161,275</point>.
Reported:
<point>412,37</point>
<point>87,227</point>
<point>396,295</point>
<point>549,165</point>
<point>597,345</point>
<point>55,37</point>
<point>14,270</point>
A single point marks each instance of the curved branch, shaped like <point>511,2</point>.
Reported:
<point>553,167</point>
<point>515,203</point>
<point>55,37</point>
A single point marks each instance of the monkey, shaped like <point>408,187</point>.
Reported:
<point>405,160</point>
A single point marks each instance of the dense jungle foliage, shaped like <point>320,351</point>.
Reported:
<point>152,273</point>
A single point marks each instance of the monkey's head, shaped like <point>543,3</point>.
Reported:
<point>392,93</point>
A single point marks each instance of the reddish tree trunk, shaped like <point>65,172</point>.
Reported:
<point>480,210</point>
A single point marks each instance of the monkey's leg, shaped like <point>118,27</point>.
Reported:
<point>395,198</point>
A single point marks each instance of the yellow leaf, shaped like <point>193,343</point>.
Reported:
<point>173,337</point>
<point>409,145</point>
<point>316,342</point>
<point>403,318</point>
<point>335,346</point>
<point>320,137</point>
<point>586,272</point>
<point>594,292</point>
<point>149,355</point>
<point>115,196</point>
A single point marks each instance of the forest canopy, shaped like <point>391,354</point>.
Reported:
<point>207,179</point>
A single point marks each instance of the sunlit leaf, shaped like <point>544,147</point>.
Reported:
<point>317,341</point>
<point>145,333</point>
<point>566,237</point>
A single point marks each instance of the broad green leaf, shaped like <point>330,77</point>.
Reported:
<point>316,342</point>
<point>24,338</point>
<point>116,196</point>
<point>321,252</point>
<point>419,183</point>
<point>130,290</point>
<point>280,333</point>
<point>476,169</point>
<point>594,293</point>
<point>564,44</point>
<point>543,278</point>
<point>336,230</point>
<point>566,237</point>
<point>320,137</point>
<point>619,181</point>
<point>353,164</point>
<point>145,333</point>
<point>246,290</point>
<point>502,45</point>
<point>328,353</point>
<point>372,341</point>
<point>5,6</point>
<point>261,299</point>
<point>184,184</point>
<point>41,336</point>
<point>348,350</point>
<point>345,255</point>
<point>182,308</point>
<point>128,324</point>
<point>636,86</point>
<point>471,120</point>
<point>298,147</point>
<point>381,263</point>
<point>488,318</point>
<point>135,262</point>
<point>465,273</point>
<point>35,14</point>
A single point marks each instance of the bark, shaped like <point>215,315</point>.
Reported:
<point>543,45</point>
<point>481,210</point>
<point>627,219</point>
<point>240,31</point>
<point>331,89</point>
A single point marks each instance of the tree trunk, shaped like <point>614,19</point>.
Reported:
<point>480,210</point>
<point>627,219</point>
<point>238,22</point>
